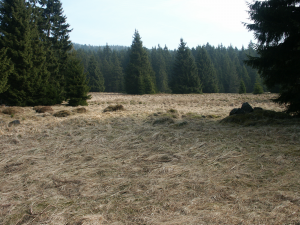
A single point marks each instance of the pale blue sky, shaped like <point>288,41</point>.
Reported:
<point>97,22</point>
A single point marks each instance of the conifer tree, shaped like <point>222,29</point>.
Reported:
<point>19,35</point>
<point>117,74</point>
<point>169,64</point>
<point>242,89</point>
<point>159,67</point>
<point>6,69</point>
<point>94,75</point>
<point>276,28</point>
<point>53,24</point>
<point>140,78</point>
<point>206,71</point>
<point>185,75</point>
<point>76,84</point>
<point>258,89</point>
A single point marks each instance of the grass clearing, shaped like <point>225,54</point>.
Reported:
<point>123,168</point>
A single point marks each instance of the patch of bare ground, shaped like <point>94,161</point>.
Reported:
<point>124,168</point>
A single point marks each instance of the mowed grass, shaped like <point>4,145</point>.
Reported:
<point>165,159</point>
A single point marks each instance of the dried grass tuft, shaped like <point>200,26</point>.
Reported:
<point>163,120</point>
<point>62,113</point>
<point>113,108</point>
<point>44,109</point>
<point>12,110</point>
<point>258,117</point>
<point>80,110</point>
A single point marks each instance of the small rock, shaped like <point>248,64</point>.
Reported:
<point>63,113</point>
<point>14,123</point>
<point>232,112</point>
<point>236,111</point>
<point>247,107</point>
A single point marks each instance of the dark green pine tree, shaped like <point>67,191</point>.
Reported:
<point>94,75</point>
<point>242,89</point>
<point>53,24</point>
<point>276,27</point>
<point>169,64</point>
<point>159,67</point>
<point>140,78</point>
<point>206,71</point>
<point>258,89</point>
<point>117,74</point>
<point>185,75</point>
<point>229,77</point>
<point>6,68</point>
<point>76,84</point>
<point>107,74</point>
<point>29,80</point>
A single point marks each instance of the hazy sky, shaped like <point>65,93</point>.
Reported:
<point>164,22</point>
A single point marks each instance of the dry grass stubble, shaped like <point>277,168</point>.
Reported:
<point>122,168</point>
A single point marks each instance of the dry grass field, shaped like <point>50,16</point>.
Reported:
<point>165,159</point>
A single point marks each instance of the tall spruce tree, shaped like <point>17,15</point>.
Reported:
<point>140,78</point>
<point>276,26</point>
<point>53,24</point>
<point>77,87</point>
<point>159,67</point>
<point>185,75</point>
<point>117,74</point>
<point>206,71</point>
<point>94,75</point>
<point>19,35</point>
<point>242,89</point>
<point>6,69</point>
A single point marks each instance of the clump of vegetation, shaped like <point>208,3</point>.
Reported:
<point>63,113</point>
<point>192,115</point>
<point>242,89</point>
<point>164,120</point>
<point>172,111</point>
<point>258,117</point>
<point>80,110</point>
<point>44,109</point>
<point>258,89</point>
<point>113,108</point>
<point>211,116</point>
<point>181,124</point>
<point>12,110</point>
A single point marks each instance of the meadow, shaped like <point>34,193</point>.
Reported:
<point>164,159</point>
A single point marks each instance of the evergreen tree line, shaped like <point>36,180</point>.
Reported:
<point>138,70</point>
<point>38,66</point>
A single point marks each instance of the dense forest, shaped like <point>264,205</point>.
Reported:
<point>220,69</point>
<point>39,65</point>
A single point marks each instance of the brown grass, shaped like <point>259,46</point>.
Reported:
<point>119,168</point>
<point>12,110</point>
